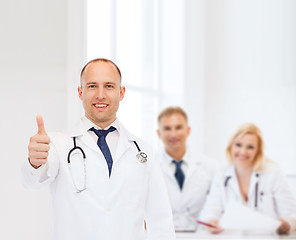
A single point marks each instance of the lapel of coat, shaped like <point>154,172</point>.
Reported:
<point>79,131</point>
<point>165,163</point>
<point>125,142</point>
<point>232,184</point>
<point>254,180</point>
<point>192,165</point>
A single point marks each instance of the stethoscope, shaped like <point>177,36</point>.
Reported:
<point>256,188</point>
<point>142,157</point>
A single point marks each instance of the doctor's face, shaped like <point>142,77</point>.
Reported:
<point>244,150</point>
<point>173,131</point>
<point>101,92</point>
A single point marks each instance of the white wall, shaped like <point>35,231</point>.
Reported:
<point>194,70</point>
<point>253,78</point>
<point>33,80</point>
<point>243,70</point>
<point>42,52</point>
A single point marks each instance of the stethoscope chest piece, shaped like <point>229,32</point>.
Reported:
<point>142,157</point>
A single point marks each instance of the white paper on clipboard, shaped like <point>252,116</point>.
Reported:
<point>239,217</point>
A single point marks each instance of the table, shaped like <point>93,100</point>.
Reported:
<point>203,234</point>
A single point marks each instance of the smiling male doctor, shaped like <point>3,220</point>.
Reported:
<point>109,194</point>
<point>187,173</point>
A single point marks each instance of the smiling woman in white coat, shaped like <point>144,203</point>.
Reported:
<point>253,181</point>
<point>104,181</point>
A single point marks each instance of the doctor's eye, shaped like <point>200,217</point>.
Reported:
<point>91,86</point>
<point>179,127</point>
<point>166,128</point>
<point>109,86</point>
<point>251,147</point>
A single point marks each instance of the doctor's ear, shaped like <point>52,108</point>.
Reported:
<point>122,92</point>
<point>80,92</point>
<point>158,133</point>
<point>188,130</point>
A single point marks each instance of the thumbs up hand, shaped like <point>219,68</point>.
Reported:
<point>39,145</point>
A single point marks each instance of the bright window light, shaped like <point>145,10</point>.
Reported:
<point>147,48</point>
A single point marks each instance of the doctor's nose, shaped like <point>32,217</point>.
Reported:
<point>100,93</point>
<point>173,133</point>
<point>243,151</point>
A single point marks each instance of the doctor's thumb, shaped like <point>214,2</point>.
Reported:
<point>40,124</point>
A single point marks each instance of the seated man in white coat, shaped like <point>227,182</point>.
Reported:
<point>104,181</point>
<point>188,175</point>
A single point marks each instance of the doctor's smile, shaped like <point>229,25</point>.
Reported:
<point>100,105</point>
<point>174,141</point>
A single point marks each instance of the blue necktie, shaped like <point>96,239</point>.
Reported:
<point>103,145</point>
<point>179,173</point>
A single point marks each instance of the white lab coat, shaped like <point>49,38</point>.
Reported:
<point>110,208</point>
<point>187,204</point>
<point>275,198</point>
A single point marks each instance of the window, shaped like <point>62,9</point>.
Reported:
<point>145,39</point>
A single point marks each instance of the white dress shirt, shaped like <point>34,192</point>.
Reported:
<point>111,138</point>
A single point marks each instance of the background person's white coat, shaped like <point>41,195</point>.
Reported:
<point>269,193</point>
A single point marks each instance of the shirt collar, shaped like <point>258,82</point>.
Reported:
<point>88,124</point>
<point>169,159</point>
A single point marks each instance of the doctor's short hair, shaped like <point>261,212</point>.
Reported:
<point>99,60</point>
<point>170,111</point>
<point>248,128</point>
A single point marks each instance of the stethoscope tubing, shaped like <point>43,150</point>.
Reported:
<point>140,155</point>
<point>73,149</point>
<point>256,188</point>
